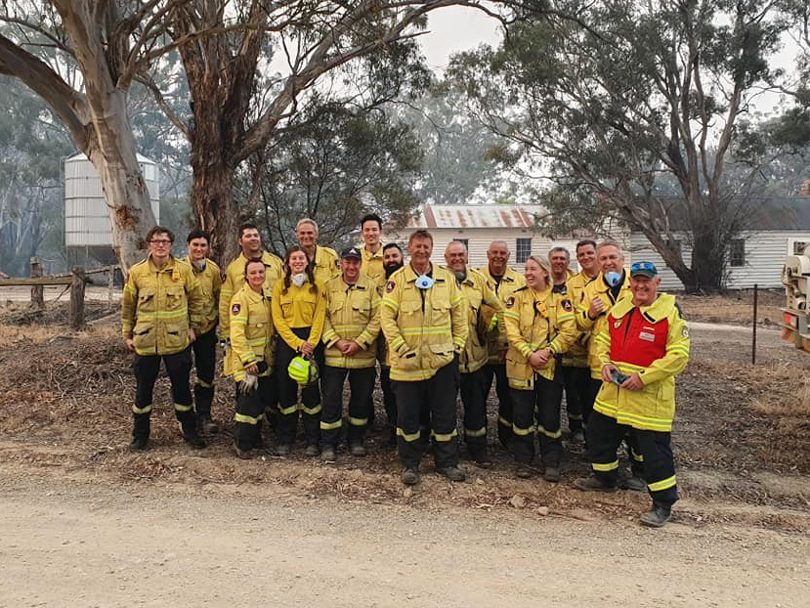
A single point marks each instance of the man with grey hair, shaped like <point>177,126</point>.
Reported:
<point>323,260</point>
<point>559,260</point>
<point>474,386</point>
<point>503,281</point>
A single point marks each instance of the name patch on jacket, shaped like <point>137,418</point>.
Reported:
<point>645,335</point>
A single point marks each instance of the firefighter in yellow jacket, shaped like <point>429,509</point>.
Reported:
<point>250,242</point>
<point>424,319</point>
<point>503,280</point>
<point>251,356</point>
<point>209,277</point>
<point>539,326</point>
<point>576,372</point>
<point>474,387</point>
<point>322,260</point>
<point>160,313</point>
<point>597,298</point>
<point>641,347</point>
<point>299,311</point>
<point>350,335</point>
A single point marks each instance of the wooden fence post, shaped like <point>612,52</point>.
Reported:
<point>77,297</point>
<point>37,291</point>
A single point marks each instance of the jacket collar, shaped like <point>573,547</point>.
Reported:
<point>655,312</point>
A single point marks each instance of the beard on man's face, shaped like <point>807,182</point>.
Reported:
<point>392,268</point>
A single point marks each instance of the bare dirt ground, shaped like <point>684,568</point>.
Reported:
<point>92,519</point>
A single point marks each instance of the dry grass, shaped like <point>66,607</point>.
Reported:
<point>736,308</point>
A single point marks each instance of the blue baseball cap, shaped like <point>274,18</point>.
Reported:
<point>643,269</point>
<point>351,253</point>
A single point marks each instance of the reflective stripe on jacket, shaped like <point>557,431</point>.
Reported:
<point>352,313</point>
<point>251,332</point>
<point>425,328</point>
<point>159,305</point>
<point>210,278</point>
<point>598,289</point>
<point>536,320</point>
<point>497,342</point>
<point>652,341</point>
<point>477,294</point>
<point>235,279</point>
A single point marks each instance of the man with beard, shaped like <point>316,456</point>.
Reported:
<point>504,281</point>
<point>393,260</point>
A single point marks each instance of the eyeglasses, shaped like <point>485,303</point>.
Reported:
<point>160,242</point>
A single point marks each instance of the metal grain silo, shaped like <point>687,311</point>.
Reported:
<point>88,232</point>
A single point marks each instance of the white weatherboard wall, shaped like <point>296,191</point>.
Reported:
<point>764,256</point>
<point>87,220</point>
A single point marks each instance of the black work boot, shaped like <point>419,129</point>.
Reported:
<point>205,424</point>
<point>140,432</point>
<point>188,422</point>
<point>656,517</point>
<point>410,476</point>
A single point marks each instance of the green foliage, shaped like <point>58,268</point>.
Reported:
<point>334,165</point>
<point>633,111</point>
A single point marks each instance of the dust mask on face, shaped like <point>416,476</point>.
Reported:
<point>613,278</point>
<point>298,279</point>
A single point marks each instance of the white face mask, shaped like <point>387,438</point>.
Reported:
<point>298,279</point>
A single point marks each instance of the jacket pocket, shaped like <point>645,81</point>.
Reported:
<point>176,337</point>
<point>175,298</point>
<point>143,335</point>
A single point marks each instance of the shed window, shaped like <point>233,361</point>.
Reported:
<point>798,247</point>
<point>523,250</point>
<point>736,253</point>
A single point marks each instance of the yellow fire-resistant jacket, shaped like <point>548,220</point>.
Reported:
<point>235,279</point>
<point>424,327</point>
<point>352,313</point>
<point>577,355</point>
<point>373,267</point>
<point>477,294</point>
<point>251,332</point>
<point>159,305</point>
<point>210,278</point>
<point>497,342</point>
<point>536,320</point>
<point>326,264</point>
<point>630,340</point>
<point>598,288</point>
<point>297,307</point>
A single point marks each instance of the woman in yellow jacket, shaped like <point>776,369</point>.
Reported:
<point>540,326</point>
<point>250,358</point>
<point>299,310</point>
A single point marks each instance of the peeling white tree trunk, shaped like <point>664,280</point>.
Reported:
<point>113,154</point>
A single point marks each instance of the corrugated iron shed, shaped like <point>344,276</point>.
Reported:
<point>476,216</point>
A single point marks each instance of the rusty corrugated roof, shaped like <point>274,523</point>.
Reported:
<point>476,216</point>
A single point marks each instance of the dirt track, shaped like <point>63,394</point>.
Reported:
<point>85,545</point>
<point>86,523</point>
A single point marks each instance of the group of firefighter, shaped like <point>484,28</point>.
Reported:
<point>294,330</point>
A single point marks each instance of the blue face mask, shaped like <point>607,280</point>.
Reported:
<point>424,282</point>
<point>613,278</point>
